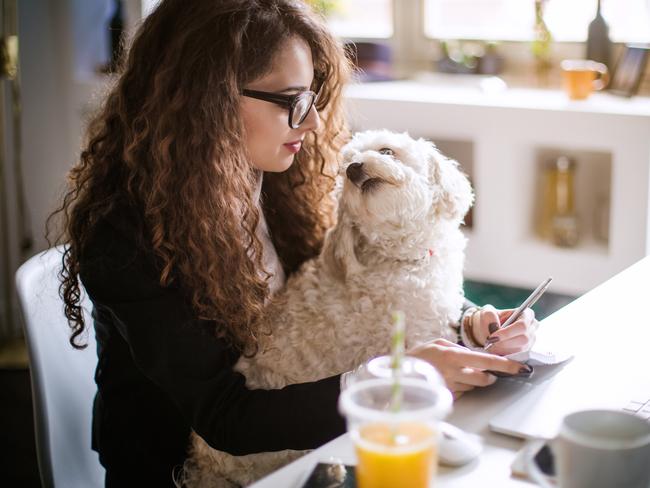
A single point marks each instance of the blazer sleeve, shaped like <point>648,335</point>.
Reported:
<point>181,355</point>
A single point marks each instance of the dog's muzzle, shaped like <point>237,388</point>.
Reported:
<point>356,174</point>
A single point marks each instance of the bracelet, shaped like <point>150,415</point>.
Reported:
<point>458,326</point>
<point>467,322</point>
<point>475,323</point>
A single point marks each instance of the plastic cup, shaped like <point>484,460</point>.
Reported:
<point>395,448</point>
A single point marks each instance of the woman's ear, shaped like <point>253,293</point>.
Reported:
<point>454,192</point>
<point>338,254</point>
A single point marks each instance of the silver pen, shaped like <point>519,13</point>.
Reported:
<point>527,303</point>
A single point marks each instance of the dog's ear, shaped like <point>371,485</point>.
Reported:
<point>454,193</point>
<point>338,254</point>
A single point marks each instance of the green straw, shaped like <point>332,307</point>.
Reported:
<point>397,357</point>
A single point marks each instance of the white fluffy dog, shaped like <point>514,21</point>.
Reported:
<point>397,245</point>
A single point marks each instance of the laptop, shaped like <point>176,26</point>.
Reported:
<point>538,412</point>
<point>609,335</point>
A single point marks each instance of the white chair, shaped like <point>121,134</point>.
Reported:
<point>62,378</point>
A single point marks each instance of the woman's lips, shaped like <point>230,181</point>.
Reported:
<point>293,147</point>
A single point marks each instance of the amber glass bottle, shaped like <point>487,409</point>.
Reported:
<point>558,221</point>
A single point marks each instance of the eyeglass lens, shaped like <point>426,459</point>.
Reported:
<point>301,109</point>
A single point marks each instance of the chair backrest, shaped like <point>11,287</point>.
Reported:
<point>62,377</point>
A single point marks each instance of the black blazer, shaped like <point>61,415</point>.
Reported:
<point>162,372</point>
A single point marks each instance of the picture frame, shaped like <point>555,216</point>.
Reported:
<point>629,70</point>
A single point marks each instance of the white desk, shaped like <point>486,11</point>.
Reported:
<point>611,318</point>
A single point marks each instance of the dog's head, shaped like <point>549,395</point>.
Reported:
<point>390,177</point>
<point>392,182</point>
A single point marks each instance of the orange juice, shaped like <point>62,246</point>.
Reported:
<point>391,456</point>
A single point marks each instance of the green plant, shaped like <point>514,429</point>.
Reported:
<point>541,46</point>
<point>325,7</point>
<point>542,43</point>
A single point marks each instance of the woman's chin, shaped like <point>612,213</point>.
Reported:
<point>281,166</point>
<point>277,166</point>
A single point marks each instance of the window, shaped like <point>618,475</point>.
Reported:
<point>347,18</point>
<point>505,20</point>
<point>362,19</point>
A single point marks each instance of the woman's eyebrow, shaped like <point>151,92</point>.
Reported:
<point>294,88</point>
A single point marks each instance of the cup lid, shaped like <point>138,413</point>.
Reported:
<point>370,400</point>
<point>380,367</point>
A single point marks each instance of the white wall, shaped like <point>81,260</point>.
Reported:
<point>45,63</point>
<point>49,144</point>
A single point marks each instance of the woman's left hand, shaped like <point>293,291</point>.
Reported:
<point>518,336</point>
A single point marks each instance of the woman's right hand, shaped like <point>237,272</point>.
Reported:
<point>464,369</point>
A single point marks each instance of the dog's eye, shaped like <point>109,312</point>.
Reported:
<point>387,151</point>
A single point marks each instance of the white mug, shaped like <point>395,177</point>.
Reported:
<point>598,449</point>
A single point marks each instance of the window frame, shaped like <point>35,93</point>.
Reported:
<point>564,40</point>
<point>414,51</point>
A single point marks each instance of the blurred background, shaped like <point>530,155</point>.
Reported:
<point>562,178</point>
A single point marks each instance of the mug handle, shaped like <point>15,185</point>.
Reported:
<point>531,467</point>
<point>603,79</point>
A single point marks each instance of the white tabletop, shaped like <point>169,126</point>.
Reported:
<point>611,319</point>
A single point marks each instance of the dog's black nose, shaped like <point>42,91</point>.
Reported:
<point>355,172</point>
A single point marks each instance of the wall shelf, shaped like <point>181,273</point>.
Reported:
<point>502,139</point>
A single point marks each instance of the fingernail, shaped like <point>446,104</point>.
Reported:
<point>499,374</point>
<point>491,340</point>
<point>493,327</point>
<point>525,372</point>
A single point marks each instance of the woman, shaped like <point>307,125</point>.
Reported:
<point>179,241</point>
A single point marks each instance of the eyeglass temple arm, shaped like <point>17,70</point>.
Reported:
<point>269,97</point>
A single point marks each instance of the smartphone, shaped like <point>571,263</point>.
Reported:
<point>542,456</point>
<point>331,475</point>
<point>544,461</point>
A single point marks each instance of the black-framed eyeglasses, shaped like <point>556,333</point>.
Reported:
<point>299,105</point>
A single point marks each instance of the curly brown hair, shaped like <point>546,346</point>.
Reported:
<point>168,142</point>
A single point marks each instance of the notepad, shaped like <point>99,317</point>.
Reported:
<point>540,357</point>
